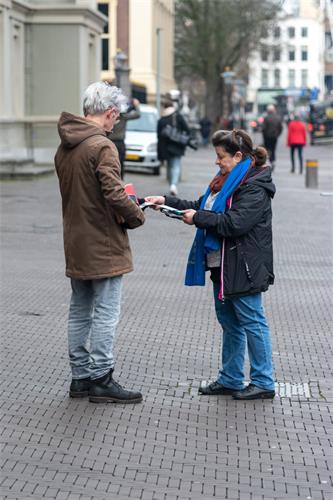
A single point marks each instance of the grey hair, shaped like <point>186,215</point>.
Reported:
<point>101,96</point>
<point>271,108</point>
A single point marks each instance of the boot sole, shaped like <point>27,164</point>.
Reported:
<point>261,396</point>
<point>105,399</point>
<point>216,393</point>
<point>79,394</point>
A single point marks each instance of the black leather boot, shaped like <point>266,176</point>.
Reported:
<point>254,392</point>
<point>216,389</point>
<point>79,387</point>
<point>107,390</point>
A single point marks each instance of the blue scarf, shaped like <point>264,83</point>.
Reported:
<point>205,243</point>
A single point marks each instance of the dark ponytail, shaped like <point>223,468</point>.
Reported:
<point>260,156</point>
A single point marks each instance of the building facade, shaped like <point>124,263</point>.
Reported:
<point>157,20</point>
<point>290,64</point>
<point>134,27</point>
<point>49,53</point>
<point>51,50</point>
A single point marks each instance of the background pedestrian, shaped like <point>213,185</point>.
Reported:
<point>117,135</point>
<point>168,150</point>
<point>205,129</point>
<point>271,129</point>
<point>296,140</point>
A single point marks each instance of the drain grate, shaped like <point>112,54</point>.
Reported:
<point>288,390</point>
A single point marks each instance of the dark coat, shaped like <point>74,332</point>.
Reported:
<point>247,229</point>
<point>95,205</point>
<point>168,149</point>
<point>119,130</point>
<point>272,126</point>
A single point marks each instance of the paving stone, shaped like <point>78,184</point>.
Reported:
<point>176,445</point>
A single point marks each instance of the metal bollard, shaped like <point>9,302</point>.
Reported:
<point>311,173</point>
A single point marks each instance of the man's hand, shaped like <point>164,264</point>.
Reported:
<point>157,200</point>
<point>136,102</point>
<point>188,217</point>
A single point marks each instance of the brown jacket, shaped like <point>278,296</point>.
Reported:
<point>95,207</point>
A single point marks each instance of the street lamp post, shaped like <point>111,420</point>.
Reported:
<point>122,72</point>
<point>158,70</point>
<point>228,76</point>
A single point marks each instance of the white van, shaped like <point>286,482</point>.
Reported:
<point>141,141</point>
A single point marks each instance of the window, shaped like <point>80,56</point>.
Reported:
<point>304,32</point>
<point>264,32</point>
<point>304,53</point>
<point>277,32</point>
<point>264,54</point>
<point>277,79</point>
<point>291,32</point>
<point>264,77</point>
<point>105,54</point>
<point>291,53</point>
<point>304,78</point>
<point>276,54</point>
<point>328,40</point>
<point>291,78</point>
<point>104,9</point>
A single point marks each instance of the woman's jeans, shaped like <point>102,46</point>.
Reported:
<point>173,170</point>
<point>93,316</point>
<point>243,322</point>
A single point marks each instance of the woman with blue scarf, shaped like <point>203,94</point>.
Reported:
<point>234,242</point>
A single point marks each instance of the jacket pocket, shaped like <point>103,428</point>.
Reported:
<point>245,263</point>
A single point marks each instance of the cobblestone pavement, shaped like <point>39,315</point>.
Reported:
<point>176,444</point>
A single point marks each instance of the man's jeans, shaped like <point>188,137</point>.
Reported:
<point>173,170</point>
<point>243,321</point>
<point>93,316</point>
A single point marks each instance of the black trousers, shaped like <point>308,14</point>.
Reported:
<point>270,145</point>
<point>299,148</point>
<point>120,145</point>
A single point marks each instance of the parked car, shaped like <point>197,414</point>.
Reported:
<point>321,120</point>
<point>141,141</point>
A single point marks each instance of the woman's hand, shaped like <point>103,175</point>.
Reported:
<point>157,200</point>
<point>188,216</point>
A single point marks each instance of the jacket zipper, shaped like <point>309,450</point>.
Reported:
<point>221,292</point>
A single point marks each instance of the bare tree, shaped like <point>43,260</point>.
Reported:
<point>212,35</point>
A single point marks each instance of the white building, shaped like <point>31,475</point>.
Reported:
<point>291,59</point>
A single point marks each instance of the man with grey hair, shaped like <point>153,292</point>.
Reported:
<point>271,129</point>
<point>96,215</point>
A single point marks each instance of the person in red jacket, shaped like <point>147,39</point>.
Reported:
<point>296,140</point>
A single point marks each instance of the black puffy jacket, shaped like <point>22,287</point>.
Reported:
<point>247,230</point>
